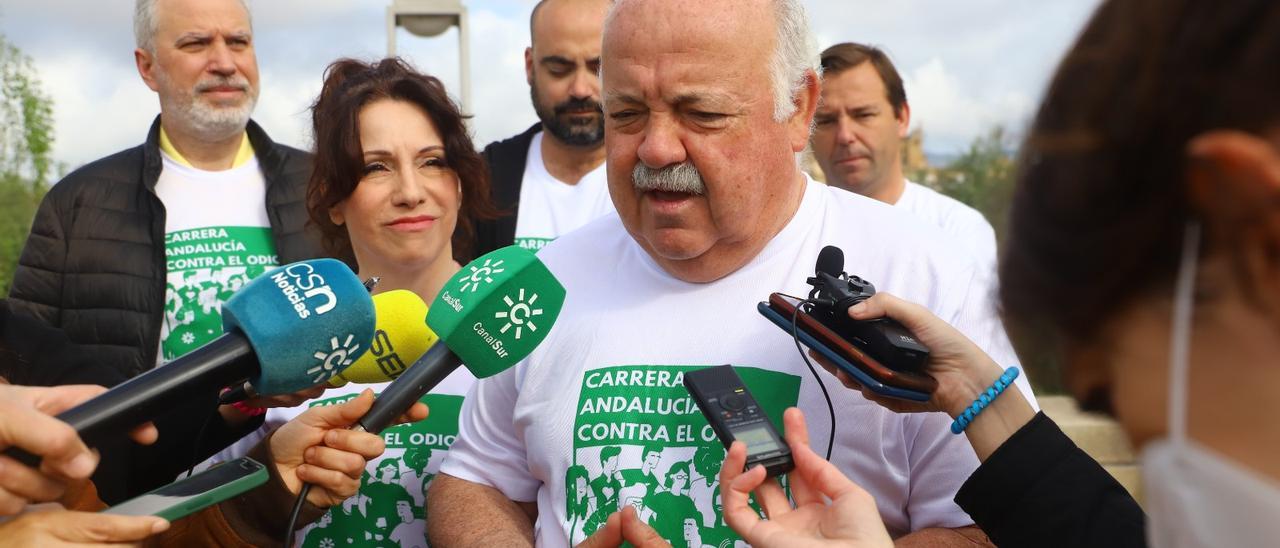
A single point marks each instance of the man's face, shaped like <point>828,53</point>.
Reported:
<point>610,465</point>
<point>404,511</point>
<point>563,69</point>
<point>690,529</point>
<point>651,459</point>
<point>858,137</point>
<point>689,116</point>
<point>388,474</point>
<point>203,66</point>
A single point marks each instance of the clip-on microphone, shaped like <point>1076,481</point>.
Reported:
<point>884,339</point>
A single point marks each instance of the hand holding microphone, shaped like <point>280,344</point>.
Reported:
<point>287,330</point>
<point>489,316</point>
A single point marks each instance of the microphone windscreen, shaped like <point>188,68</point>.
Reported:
<point>830,261</point>
<point>306,321</point>
<point>400,338</point>
<point>497,309</point>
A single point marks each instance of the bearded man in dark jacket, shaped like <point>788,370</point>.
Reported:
<point>550,180</point>
<point>133,255</point>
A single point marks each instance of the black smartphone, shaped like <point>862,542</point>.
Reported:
<point>734,415</point>
<point>907,385</point>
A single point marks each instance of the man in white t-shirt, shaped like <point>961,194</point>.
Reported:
<point>857,140</point>
<point>707,104</point>
<point>550,179</point>
<point>133,254</point>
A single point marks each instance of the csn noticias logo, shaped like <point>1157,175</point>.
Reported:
<point>304,287</point>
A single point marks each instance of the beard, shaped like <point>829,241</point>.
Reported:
<point>203,118</point>
<point>682,177</point>
<point>572,131</point>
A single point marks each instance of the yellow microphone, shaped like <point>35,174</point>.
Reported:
<point>401,336</point>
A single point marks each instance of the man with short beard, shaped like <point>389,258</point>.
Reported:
<point>550,179</point>
<point>706,104</point>
<point>133,255</point>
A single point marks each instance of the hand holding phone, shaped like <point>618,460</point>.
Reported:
<point>190,495</point>
<point>868,371</point>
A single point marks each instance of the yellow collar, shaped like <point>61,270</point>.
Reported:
<point>243,155</point>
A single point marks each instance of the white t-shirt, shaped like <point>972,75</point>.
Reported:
<point>403,473</point>
<point>550,208</point>
<point>965,224</point>
<point>598,410</point>
<point>217,238</point>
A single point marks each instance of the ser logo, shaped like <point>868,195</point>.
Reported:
<point>338,354</point>
<point>480,275</point>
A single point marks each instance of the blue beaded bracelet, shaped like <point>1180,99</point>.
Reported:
<point>984,400</point>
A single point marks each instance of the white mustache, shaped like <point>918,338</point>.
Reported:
<point>682,177</point>
<point>241,84</point>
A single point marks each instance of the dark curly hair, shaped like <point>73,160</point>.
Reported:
<point>1101,199</point>
<point>337,168</point>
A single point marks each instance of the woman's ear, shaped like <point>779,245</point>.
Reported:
<point>336,215</point>
<point>1234,187</point>
<point>1233,173</point>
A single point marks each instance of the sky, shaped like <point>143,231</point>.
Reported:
<point>967,65</point>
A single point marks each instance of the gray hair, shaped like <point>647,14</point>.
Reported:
<point>145,23</point>
<point>795,54</point>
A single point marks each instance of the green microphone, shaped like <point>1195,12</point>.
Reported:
<point>489,316</point>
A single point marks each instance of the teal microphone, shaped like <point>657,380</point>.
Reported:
<point>289,329</point>
<point>489,316</point>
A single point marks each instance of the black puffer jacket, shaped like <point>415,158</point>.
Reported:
<point>94,264</point>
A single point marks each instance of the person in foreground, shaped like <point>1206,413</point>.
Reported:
<point>402,205</point>
<point>315,448</point>
<point>702,131</point>
<point>1142,248</point>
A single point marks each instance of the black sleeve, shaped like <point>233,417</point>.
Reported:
<point>37,281</point>
<point>1040,489</point>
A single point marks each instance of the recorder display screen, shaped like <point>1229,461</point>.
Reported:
<point>757,438</point>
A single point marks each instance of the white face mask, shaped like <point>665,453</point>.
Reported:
<point>1194,496</point>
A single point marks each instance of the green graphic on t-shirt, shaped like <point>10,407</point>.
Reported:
<point>390,509</point>
<point>205,267</point>
<point>533,244</point>
<point>639,439</point>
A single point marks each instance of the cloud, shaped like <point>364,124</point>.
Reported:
<point>967,64</point>
<point>949,113</point>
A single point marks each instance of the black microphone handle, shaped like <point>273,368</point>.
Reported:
<point>113,413</point>
<point>409,387</point>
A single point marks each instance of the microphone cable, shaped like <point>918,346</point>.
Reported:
<point>369,285</point>
<point>293,515</point>
<point>795,337</point>
<point>195,446</point>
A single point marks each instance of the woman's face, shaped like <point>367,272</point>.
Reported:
<point>403,211</point>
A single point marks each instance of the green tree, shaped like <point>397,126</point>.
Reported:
<point>26,144</point>
<point>983,178</point>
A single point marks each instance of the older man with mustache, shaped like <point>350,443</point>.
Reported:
<point>132,255</point>
<point>706,106</point>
